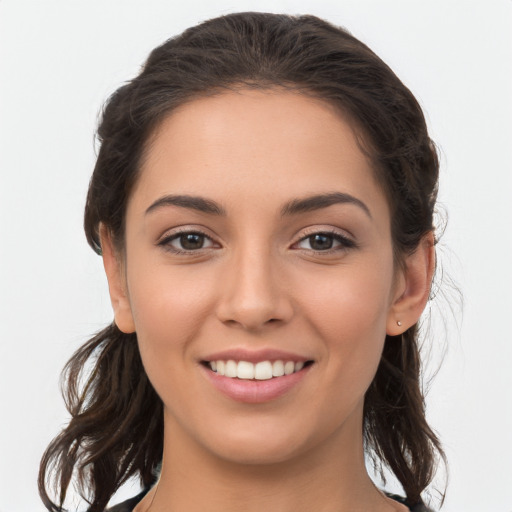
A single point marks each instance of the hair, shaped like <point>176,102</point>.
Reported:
<point>116,426</point>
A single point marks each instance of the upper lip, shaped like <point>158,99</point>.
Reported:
<point>255,356</point>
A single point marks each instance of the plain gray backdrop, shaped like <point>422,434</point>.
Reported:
<point>59,60</point>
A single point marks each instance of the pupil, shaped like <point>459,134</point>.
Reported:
<point>320,242</point>
<point>192,241</point>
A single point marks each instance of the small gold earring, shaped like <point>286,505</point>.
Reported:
<point>399,323</point>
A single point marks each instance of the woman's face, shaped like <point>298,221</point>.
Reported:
<point>257,234</point>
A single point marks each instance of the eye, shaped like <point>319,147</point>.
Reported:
<point>325,242</point>
<point>187,241</point>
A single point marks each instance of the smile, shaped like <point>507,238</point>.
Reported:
<point>263,370</point>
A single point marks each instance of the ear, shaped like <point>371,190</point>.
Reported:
<point>116,282</point>
<point>413,287</point>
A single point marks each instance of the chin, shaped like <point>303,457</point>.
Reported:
<point>258,452</point>
<point>264,442</point>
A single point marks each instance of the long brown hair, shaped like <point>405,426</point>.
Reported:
<point>116,426</point>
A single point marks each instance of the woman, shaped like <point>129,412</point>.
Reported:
<point>263,202</point>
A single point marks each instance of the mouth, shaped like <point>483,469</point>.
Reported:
<point>256,371</point>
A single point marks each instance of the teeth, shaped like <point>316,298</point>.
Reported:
<point>264,370</point>
<point>231,369</point>
<point>245,370</point>
<point>289,367</point>
<point>278,369</point>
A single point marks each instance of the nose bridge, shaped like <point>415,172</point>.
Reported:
<point>252,293</point>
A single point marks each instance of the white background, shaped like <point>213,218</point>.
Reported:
<point>59,60</point>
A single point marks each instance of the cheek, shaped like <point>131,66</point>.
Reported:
<point>169,306</point>
<point>349,305</point>
<point>349,313</point>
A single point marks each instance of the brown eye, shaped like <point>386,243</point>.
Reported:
<point>324,242</point>
<point>191,241</point>
<point>188,241</point>
<point>321,242</point>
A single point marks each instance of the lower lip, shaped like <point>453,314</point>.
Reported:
<point>255,391</point>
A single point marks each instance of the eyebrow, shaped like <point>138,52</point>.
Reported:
<point>293,207</point>
<point>319,201</point>
<point>191,202</point>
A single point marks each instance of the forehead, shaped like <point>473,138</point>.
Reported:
<point>250,143</point>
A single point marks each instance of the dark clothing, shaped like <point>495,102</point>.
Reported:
<point>419,507</point>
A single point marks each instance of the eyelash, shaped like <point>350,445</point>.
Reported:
<point>345,243</point>
<point>166,242</point>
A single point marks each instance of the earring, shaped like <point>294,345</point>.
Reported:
<point>399,323</point>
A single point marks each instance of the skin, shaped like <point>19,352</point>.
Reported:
<point>257,282</point>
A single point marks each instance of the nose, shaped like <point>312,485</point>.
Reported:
<point>253,292</point>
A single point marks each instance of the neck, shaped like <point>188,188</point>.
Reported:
<point>330,477</point>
